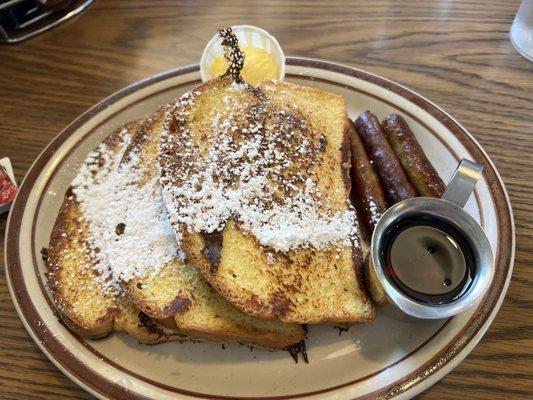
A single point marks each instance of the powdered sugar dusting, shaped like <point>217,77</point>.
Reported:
<point>130,230</point>
<point>255,170</point>
<point>147,242</point>
<point>375,214</point>
<point>91,189</point>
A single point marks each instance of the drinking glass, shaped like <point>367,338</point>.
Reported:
<point>522,30</point>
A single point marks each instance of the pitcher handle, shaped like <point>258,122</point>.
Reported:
<point>462,183</point>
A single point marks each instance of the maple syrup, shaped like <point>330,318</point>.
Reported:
<point>427,259</point>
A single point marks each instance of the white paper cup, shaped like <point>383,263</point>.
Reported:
<point>248,36</point>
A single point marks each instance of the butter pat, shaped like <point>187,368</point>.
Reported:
<point>258,65</point>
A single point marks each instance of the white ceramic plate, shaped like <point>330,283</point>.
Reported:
<point>393,357</point>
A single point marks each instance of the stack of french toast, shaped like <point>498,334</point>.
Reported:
<point>232,214</point>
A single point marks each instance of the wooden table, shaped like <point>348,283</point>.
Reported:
<point>456,53</point>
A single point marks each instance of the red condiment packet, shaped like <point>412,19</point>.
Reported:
<point>8,190</point>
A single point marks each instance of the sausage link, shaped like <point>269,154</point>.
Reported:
<point>419,170</point>
<point>370,200</point>
<point>395,183</point>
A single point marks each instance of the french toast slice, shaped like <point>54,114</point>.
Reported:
<point>88,301</point>
<point>161,283</point>
<point>235,163</point>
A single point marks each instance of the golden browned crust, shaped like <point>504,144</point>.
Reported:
<point>237,328</point>
<point>194,246</point>
<point>395,183</point>
<point>413,159</point>
<point>96,331</point>
<point>143,146</point>
<point>279,305</point>
<point>292,293</point>
<point>65,239</point>
<point>176,295</point>
<point>372,284</point>
<point>71,275</point>
<point>149,331</point>
<point>161,311</point>
<point>143,134</point>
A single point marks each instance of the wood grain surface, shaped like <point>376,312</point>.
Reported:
<point>457,53</point>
